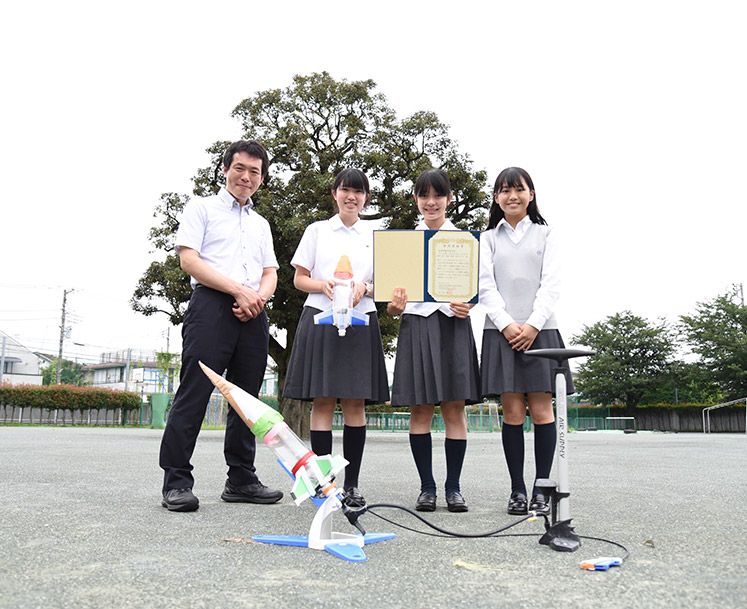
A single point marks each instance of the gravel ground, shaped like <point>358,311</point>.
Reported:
<point>81,526</point>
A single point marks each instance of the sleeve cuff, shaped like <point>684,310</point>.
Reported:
<point>501,320</point>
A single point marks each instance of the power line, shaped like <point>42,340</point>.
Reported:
<point>28,310</point>
<point>20,286</point>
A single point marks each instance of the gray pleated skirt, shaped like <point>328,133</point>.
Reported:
<point>504,370</point>
<point>436,361</point>
<point>324,365</point>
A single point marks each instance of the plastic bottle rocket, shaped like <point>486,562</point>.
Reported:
<point>313,475</point>
<point>342,314</point>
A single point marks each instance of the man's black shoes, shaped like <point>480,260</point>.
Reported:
<point>250,493</point>
<point>180,500</point>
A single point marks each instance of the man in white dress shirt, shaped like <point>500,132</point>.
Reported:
<point>226,247</point>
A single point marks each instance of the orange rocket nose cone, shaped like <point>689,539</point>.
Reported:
<point>344,269</point>
<point>222,384</point>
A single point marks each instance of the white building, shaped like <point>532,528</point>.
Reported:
<point>138,371</point>
<point>132,370</point>
<point>19,365</point>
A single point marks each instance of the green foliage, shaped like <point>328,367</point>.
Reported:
<point>685,382</point>
<point>271,401</point>
<point>633,358</point>
<point>313,129</point>
<point>67,397</point>
<point>169,364</point>
<point>717,332</point>
<point>70,374</point>
<point>164,287</point>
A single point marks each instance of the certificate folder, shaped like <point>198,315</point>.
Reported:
<point>432,265</point>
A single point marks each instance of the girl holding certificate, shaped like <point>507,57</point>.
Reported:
<point>324,366</point>
<point>519,286</point>
<point>436,362</point>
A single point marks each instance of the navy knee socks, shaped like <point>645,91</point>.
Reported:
<point>513,448</point>
<point>421,446</point>
<point>321,442</point>
<point>544,448</point>
<point>353,443</point>
<point>455,450</point>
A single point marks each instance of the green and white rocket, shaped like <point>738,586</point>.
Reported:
<point>313,475</point>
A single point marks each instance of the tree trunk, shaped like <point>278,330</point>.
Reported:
<point>295,412</point>
<point>296,415</point>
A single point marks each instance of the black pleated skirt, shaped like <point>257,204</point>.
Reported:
<point>504,370</point>
<point>436,361</point>
<point>324,364</point>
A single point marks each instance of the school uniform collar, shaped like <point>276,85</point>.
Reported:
<point>521,227</point>
<point>337,224</point>
<point>447,225</point>
<point>229,201</point>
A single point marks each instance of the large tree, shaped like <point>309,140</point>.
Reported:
<point>164,287</point>
<point>717,332</point>
<point>684,382</point>
<point>632,360</point>
<point>313,129</point>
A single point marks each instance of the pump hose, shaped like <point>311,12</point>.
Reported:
<point>449,534</point>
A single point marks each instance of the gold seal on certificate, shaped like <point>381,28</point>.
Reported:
<point>432,265</point>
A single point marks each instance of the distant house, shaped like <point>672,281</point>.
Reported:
<point>19,365</point>
<point>141,374</point>
<point>132,370</point>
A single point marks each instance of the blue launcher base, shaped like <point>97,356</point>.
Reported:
<point>346,551</point>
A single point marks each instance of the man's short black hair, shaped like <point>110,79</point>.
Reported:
<point>252,148</point>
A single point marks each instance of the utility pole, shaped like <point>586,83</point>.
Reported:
<point>2,361</point>
<point>127,368</point>
<point>62,334</point>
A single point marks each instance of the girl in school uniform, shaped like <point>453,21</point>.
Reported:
<point>324,367</point>
<point>519,286</point>
<point>436,362</point>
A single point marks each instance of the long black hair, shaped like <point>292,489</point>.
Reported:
<point>512,177</point>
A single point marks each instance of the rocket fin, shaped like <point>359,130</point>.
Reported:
<point>358,319</point>
<point>327,465</point>
<point>324,318</point>
<point>302,488</point>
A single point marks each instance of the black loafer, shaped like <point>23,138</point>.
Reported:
<point>426,502</point>
<point>539,504</point>
<point>352,498</point>
<point>456,503</point>
<point>517,504</point>
<point>180,500</point>
<point>250,493</point>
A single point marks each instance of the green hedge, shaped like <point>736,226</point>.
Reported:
<point>67,397</point>
<point>270,400</point>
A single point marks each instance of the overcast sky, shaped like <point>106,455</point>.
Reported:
<point>629,117</point>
